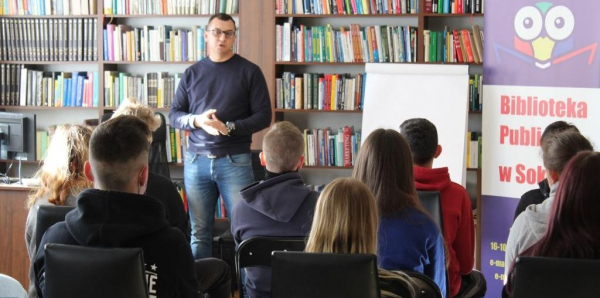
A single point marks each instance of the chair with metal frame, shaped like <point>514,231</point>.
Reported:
<point>324,275</point>
<point>78,271</point>
<point>556,277</point>
<point>256,252</point>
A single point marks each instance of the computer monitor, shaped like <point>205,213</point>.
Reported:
<point>17,136</point>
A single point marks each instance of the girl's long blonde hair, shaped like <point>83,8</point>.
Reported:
<point>345,219</point>
<point>62,173</point>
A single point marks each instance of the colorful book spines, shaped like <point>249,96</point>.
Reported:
<point>324,147</point>
<point>28,87</point>
<point>346,7</point>
<point>358,45</point>
<point>177,141</point>
<point>461,46</point>
<point>320,91</point>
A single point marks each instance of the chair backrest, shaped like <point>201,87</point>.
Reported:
<point>10,287</point>
<point>47,216</point>
<point>320,275</point>
<point>256,251</point>
<point>431,201</point>
<point>77,271</point>
<point>425,286</point>
<point>556,277</point>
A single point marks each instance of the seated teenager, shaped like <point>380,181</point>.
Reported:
<point>459,231</point>
<point>538,195</point>
<point>280,205</point>
<point>408,239</point>
<point>342,204</point>
<point>531,225</point>
<point>61,180</point>
<point>573,225</point>
<point>159,187</point>
<point>118,167</point>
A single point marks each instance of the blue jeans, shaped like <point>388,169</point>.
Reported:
<point>205,179</point>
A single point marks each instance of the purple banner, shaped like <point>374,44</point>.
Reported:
<point>496,218</point>
<point>533,43</point>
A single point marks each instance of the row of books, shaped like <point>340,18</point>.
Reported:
<point>20,86</point>
<point>48,7</point>
<point>454,6</point>
<point>177,141</point>
<point>473,154</point>
<point>349,7</point>
<point>48,39</point>
<point>324,147</point>
<point>454,45</point>
<point>359,44</point>
<point>170,7</point>
<point>320,91</point>
<point>476,93</point>
<point>155,89</point>
<point>150,43</point>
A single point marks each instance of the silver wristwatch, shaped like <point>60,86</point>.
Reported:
<point>230,127</point>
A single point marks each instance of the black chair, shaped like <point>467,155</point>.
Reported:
<point>556,277</point>
<point>256,252</point>
<point>47,216</point>
<point>320,275</point>
<point>425,286</point>
<point>77,271</point>
<point>224,245</point>
<point>431,201</point>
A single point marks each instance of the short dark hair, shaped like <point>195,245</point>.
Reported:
<point>558,127</point>
<point>422,139</point>
<point>559,148</point>
<point>116,146</point>
<point>223,17</point>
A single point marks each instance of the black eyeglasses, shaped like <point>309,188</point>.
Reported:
<point>218,33</point>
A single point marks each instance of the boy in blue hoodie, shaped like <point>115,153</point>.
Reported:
<point>280,205</point>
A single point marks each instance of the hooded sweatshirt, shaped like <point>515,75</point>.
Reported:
<point>459,231</point>
<point>529,227</point>
<point>280,206</point>
<point>117,219</point>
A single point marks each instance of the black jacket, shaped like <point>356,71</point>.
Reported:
<point>117,219</point>
<point>533,197</point>
<point>163,189</point>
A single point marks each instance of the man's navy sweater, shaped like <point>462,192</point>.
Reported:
<point>237,89</point>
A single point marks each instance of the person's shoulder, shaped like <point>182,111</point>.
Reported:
<point>245,63</point>
<point>458,189</point>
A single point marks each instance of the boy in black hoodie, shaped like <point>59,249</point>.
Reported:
<point>280,205</point>
<point>117,214</point>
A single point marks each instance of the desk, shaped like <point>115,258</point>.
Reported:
<point>14,260</point>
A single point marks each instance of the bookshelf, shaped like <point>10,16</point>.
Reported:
<point>26,37</point>
<point>274,68</point>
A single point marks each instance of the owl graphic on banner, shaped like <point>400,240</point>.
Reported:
<point>549,44</point>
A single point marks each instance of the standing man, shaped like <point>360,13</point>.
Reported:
<point>222,101</point>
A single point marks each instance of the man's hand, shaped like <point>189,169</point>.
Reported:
<point>220,126</point>
<point>204,121</point>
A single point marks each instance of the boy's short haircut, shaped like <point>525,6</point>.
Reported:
<point>422,139</point>
<point>283,146</point>
<point>118,149</point>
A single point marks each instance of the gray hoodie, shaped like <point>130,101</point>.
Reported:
<point>528,229</point>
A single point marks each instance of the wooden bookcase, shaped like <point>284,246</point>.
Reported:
<point>47,116</point>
